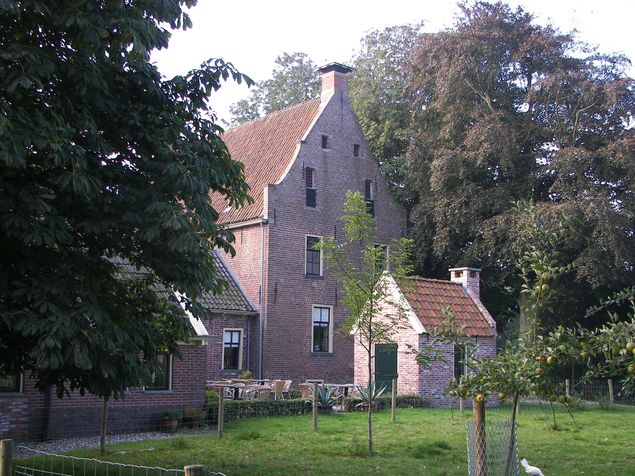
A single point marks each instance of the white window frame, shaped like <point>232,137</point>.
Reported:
<point>170,378</point>
<point>306,249</point>
<point>330,308</point>
<point>240,347</point>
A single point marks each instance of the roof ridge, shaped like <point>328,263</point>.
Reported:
<point>271,114</point>
<point>419,278</point>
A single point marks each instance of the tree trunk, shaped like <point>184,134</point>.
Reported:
<point>370,401</point>
<point>104,421</point>
<point>480,442</point>
<point>523,319</point>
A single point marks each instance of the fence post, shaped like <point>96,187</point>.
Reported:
<point>611,394</point>
<point>567,384</point>
<point>6,456</point>
<point>461,405</point>
<point>393,403</point>
<point>221,412</point>
<point>315,407</point>
<point>194,470</point>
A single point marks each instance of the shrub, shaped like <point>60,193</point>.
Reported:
<point>237,409</point>
<point>403,401</point>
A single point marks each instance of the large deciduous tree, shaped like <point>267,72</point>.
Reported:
<point>505,109</point>
<point>293,80</point>
<point>102,159</point>
<point>377,90</point>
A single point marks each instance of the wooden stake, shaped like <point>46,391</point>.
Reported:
<point>6,457</point>
<point>480,442</point>
<point>611,394</point>
<point>194,470</point>
<point>221,412</point>
<point>315,407</point>
<point>393,407</point>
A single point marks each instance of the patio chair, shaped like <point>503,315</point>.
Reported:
<point>286,388</point>
<point>306,389</point>
<point>277,387</point>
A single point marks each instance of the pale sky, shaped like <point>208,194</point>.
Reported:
<point>252,33</point>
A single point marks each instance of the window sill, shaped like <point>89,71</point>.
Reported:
<point>313,276</point>
<point>321,354</point>
<point>159,392</point>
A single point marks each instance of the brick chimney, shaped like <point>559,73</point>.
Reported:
<point>333,79</point>
<point>469,278</point>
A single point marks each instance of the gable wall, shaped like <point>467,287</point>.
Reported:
<point>290,293</point>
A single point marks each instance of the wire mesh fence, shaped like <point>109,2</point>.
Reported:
<point>34,462</point>
<point>492,449</point>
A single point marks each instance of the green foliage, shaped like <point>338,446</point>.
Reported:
<point>101,158</point>
<point>385,401</point>
<point>371,393</point>
<point>377,88</point>
<point>237,409</point>
<point>292,82</point>
<point>359,266</point>
<point>504,109</point>
<point>325,396</point>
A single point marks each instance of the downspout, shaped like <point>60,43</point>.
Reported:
<point>261,315</point>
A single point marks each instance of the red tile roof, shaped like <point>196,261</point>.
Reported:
<point>428,296</point>
<point>266,146</point>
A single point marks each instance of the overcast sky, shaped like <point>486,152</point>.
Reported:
<point>252,33</point>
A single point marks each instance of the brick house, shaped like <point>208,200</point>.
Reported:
<point>299,163</point>
<point>27,414</point>
<point>419,303</point>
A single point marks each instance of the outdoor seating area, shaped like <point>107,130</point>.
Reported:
<point>266,389</point>
<point>251,389</point>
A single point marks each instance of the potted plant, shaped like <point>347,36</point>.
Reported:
<point>325,399</point>
<point>193,417</point>
<point>370,394</point>
<point>246,375</point>
<point>170,420</point>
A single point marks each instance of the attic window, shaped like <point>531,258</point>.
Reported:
<point>458,274</point>
<point>325,141</point>
<point>472,274</point>
<point>369,197</point>
<point>355,150</point>
<point>311,192</point>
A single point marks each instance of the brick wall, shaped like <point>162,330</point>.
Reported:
<point>215,325</point>
<point>32,415</point>
<point>290,294</point>
<point>23,414</point>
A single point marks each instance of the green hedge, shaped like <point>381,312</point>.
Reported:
<point>352,404</point>
<point>237,409</point>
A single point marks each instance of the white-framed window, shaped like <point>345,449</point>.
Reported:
<point>313,256</point>
<point>162,379</point>
<point>369,196</point>
<point>322,335</point>
<point>232,349</point>
<point>311,189</point>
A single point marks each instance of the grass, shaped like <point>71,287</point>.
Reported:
<point>423,441</point>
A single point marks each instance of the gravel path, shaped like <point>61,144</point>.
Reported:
<point>69,444</point>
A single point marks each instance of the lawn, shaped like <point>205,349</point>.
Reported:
<point>423,441</point>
